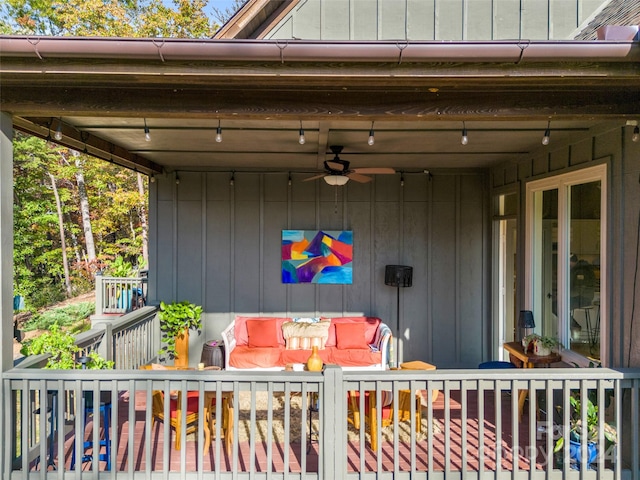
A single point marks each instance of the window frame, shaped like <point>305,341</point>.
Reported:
<point>563,182</point>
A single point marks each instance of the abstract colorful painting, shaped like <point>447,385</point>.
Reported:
<point>317,256</point>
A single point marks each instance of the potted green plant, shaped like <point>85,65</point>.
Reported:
<point>539,345</point>
<point>176,319</point>
<point>592,430</point>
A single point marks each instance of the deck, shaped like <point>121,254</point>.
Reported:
<point>430,453</point>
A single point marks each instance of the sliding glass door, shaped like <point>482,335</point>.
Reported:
<point>565,257</point>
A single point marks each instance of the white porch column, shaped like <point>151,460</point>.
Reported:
<point>6,241</point>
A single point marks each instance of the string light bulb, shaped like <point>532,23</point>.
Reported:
<point>219,133</point>
<point>464,139</point>
<point>636,134</point>
<point>371,140</point>
<point>147,133</point>
<point>58,134</point>
<point>402,179</point>
<point>177,180</point>
<point>547,134</point>
<point>232,179</point>
<point>301,139</point>
<point>153,178</point>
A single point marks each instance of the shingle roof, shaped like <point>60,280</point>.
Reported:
<point>616,12</point>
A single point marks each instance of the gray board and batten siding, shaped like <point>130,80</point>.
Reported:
<point>435,19</point>
<point>222,245</point>
<point>612,144</point>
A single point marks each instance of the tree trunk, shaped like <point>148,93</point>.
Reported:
<point>85,210</point>
<point>143,221</point>
<point>63,243</point>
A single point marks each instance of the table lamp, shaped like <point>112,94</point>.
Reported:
<point>526,323</point>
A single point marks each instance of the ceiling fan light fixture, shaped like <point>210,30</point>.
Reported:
<point>337,180</point>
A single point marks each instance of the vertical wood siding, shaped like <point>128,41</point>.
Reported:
<point>219,246</point>
<point>435,19</point>
<point>613,142</point>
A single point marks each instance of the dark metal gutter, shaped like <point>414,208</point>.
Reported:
<point>166,50</point>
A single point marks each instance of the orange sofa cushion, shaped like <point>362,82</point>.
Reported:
<point>354,357</point>
<point>371,326</point>
<point>263,333</point>
<point>256,357</point>
<point>242,335</point>
<point>350,336</point>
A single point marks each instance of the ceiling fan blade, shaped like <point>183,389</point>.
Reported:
<point>337,166</point>
<point>374,170</point>
<point>315,177</point>
<point>356,177</point>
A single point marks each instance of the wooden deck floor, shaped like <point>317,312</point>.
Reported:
<point>460,457</point>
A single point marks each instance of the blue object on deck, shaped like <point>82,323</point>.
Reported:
<point>496,364</point>
<point>104,410</point>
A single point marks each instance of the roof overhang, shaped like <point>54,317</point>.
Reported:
<point>101,89</point>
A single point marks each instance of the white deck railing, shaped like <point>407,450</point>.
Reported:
<point>472,429</point>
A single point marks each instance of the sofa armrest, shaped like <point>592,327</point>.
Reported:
<point>382,338</point>
<point>229,340</point>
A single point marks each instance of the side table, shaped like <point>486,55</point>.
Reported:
<point>522,359</point>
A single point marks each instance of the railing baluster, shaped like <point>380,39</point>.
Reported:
<point>414,457</point>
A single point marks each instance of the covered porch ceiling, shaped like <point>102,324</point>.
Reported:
<point>417,97</point>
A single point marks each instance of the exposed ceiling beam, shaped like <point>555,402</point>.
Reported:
<point>415,105</point>
<point>85,142</point>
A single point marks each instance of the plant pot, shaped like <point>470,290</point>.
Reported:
<point>182,350</point>
<point>541,350</point>
<point>575,451</point>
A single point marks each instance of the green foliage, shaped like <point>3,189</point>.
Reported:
<point>592,429</point>
<point>59,344</point>
<point>113,18</point>
<point>63,350</point>
<point>115,203</point>
<point>46,291</point>
<point>62,316</point>
<point>549,342</point>
<point>96,362</point>
<point>120,268</point>
<point>175,318</point>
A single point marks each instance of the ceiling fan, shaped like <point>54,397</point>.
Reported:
<point>337,171</point>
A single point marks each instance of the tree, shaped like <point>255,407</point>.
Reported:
<point>85,211</point>
<point>142,211</point>
<point>100,18</point>
<point>63,243</point>
<point>96,204</point>
<point>223,16</point>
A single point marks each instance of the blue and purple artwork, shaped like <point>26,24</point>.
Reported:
<point>317,256</point>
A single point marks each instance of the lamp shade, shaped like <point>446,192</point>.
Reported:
<point>526,319</point>
<point>398,275</point>
<point>338,180</point>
